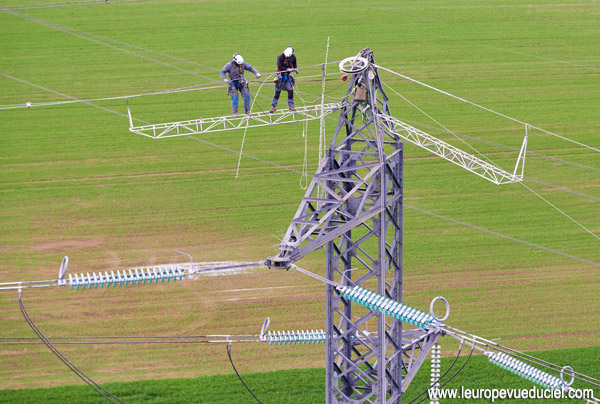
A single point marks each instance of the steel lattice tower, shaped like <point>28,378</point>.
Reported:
<point>358,150</point>
<point>353,206</point>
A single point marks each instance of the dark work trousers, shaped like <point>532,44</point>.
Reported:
<point>287,84</point>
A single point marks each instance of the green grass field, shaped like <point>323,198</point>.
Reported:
<point>292,386</point>
<point>74,181</point>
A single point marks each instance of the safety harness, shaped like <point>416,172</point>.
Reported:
<point>238,83</point>
<point>284,77</point>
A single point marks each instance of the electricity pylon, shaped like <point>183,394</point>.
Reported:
<point>353,207</point>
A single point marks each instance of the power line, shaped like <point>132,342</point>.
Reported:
<point>451,377</point>
<point>452,133</point>
<point>442,126</point>
<point>549,185</point>
<point>530,153</point>
<point>206,86</point>
<point>101,390</point>
<point>560,211</point>
<point>218,84</point>
<point>485,108</point>
<point>62,95</point>
<point>133,337</point>
<point>144,342</point>
<point>596,264</point>
<point>433,383</point>
<point>238,375</point>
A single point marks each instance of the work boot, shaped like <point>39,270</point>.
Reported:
<point>292,108</point>
<point>273,109</point>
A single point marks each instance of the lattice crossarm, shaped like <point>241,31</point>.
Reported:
<point>226,123</point>
<point>451,153</point>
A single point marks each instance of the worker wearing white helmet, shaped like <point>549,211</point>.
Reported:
<point>286,65</point>
<point>237,82</point>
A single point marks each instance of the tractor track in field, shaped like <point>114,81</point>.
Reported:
<point>128,176</point>
<point>451,282</point>
<point>295,167</point>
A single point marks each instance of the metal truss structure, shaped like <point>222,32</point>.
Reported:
<point>225,123</point>
<point>353,207</point>
<point>453,154</point>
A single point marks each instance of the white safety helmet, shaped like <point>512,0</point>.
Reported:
<point>289,51</point>
<point>237,58</point>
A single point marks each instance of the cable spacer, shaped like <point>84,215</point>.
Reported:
<point>435,299</point>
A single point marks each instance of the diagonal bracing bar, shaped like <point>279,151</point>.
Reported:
<point>225,123</point>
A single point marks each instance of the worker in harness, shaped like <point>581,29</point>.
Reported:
<point>237,82</point>
<point>286,64</point>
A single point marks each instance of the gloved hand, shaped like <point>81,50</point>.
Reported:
<point>258,75</point>
<point>226,81</point>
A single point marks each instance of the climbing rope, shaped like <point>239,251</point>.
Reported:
<point>304,176</point>
<point>237,171</point>
<point>322,123</point>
